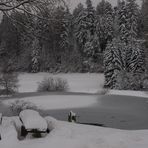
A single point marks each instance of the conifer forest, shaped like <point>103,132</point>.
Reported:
<point>50,37</point>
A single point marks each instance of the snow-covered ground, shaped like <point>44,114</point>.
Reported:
<point>84,83</point>
<point>80,83</point>
<point>70,135</point>
<point>117,109</point>
<point>128,93</point>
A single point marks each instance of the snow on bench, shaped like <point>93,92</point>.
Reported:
<point>32,120</point>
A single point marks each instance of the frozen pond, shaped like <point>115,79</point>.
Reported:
<point>123,112</point>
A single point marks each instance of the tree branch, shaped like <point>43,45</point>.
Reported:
<point>11,7</point>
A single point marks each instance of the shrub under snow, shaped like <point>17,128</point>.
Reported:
<point>53,84</point>
<point>20,105</point>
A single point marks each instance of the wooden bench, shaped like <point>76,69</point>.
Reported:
<point>0,118</point>
<point>0,123</point>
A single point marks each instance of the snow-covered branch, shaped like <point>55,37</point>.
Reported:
<point>11,5</point>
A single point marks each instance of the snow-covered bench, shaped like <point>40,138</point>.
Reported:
<point>32,122</point>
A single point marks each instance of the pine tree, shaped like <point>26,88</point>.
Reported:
<point>78,10</point>
<point>35,62</point>
<point>92,47</point>
<point>109,66</point>
<point>103,8</point>
<point>85,25</point>
<point>144,10</point>
<point>114,61</point>
<point>66,30</point>
<point>135,57</point>
<point>90,19</point>
<point>105,29</point>
<point>122,21</point>
<point>132,19</point>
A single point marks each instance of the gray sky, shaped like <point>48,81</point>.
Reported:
<point>73,3</point>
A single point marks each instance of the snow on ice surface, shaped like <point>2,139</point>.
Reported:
<point>128,93</point>
<point>32,120</point>
<point>89,83</point>
<point>59,101</point>
<point>70,135</point>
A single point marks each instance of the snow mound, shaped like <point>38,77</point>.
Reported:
<point>32,120</point>
<point>8,130</point>
<point>52,123</point>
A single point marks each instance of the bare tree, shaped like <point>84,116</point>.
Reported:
<point>34,8</point>
<point>28,6</point>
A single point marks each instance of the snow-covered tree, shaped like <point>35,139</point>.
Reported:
<point>78,10</point>
<point>114,61</point>
<point>122,21</point>
<point>90,19</point>
<point>103,8</point>
<point>85,25</point>
<point>92,47</point>
<point>104,23</point>
<point>135,57</point>
<point>66,30</point>
<point>35,62</point>
<point>144,10</point>
<point>132,18</point>
<point>104,27</point>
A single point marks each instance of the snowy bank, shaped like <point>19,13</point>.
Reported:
<point>128,93</point>
<point>69,135</point>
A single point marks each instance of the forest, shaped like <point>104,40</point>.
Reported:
<point>102,39</point>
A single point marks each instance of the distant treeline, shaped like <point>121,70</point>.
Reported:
<point>57,40</point>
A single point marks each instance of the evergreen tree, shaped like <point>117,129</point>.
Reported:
<point>122,21</point>
<point>104,27</point>
<point>132,18</point>
<point>92,47</point>
<point>85,25</point>
<point>103,8</point>
<point>78,10</point>
<point>144,10</point>
<point>114,61</point>
<point>90,18</point>
<point>135,57</point>
<point>66,32</point>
